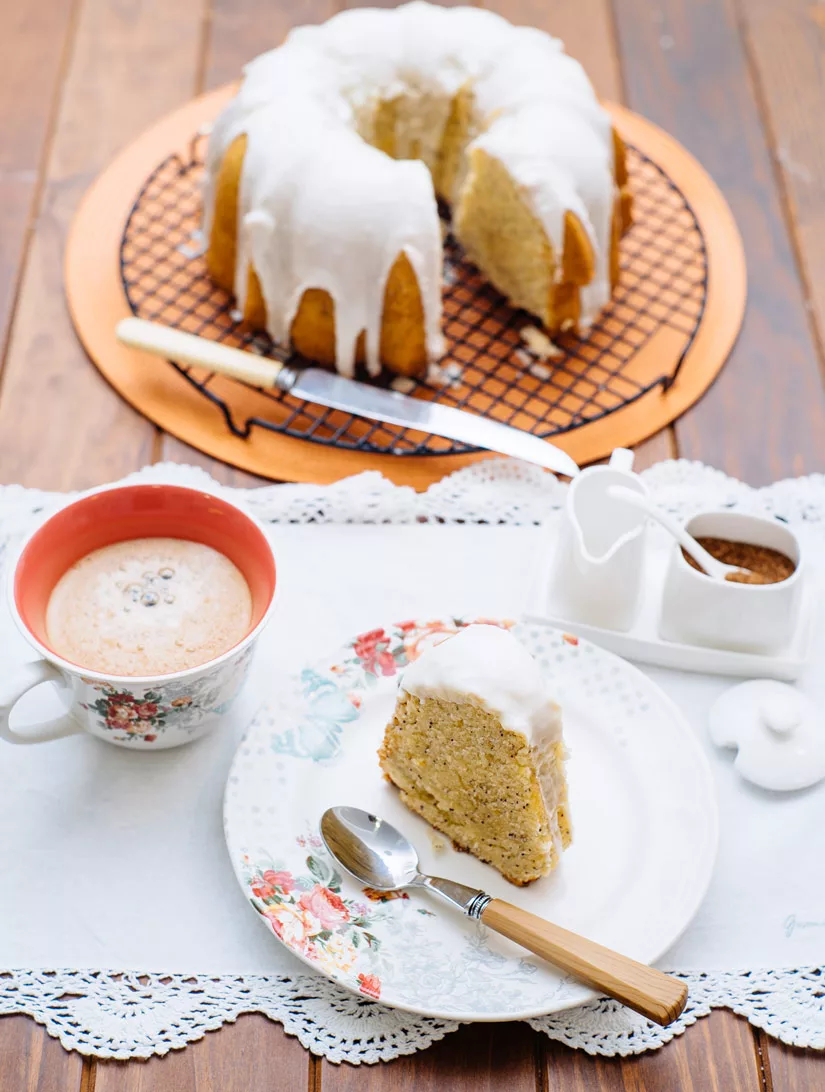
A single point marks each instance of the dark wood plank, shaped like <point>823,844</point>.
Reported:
<point>658,447</point>
<point>784,44</point>
<point>31,1061</point>
<point>61,426</point>
<point>716,1055</point>
<point>476,1058</point>
<point>792,1069</point>
<point>252,1055</point>
<point>177,451</point>
<point>240,31</point>
<point>34,37</point>
<point>585,27</point>
<point>684,67</point>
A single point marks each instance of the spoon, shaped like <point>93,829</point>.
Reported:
<point>379,856</point>
<point>710,565</point>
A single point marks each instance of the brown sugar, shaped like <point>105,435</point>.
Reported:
<point>766,566</point>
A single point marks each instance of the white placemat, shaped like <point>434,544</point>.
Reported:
<point>121,926</point>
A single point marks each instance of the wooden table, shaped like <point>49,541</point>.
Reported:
<point>739,82</point>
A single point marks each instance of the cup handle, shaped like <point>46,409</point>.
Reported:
<point>12,690</point>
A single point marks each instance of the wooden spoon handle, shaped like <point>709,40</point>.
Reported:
<point>652,993</point>
<point>189,349</point>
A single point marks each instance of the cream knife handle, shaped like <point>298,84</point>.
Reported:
<point>652,993</point>
<point>153,337</point>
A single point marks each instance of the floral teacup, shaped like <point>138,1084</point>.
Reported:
<point>143,713</point>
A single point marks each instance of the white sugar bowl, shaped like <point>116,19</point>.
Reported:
<point>756,618</point>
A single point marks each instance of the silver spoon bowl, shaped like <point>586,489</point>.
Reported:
<point>379,856</point>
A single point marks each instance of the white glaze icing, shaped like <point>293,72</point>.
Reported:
<point>779,734</point>
<point>319,207</point>
<point>486,666</point>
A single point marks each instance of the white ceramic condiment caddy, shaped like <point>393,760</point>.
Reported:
<point>702,636</point>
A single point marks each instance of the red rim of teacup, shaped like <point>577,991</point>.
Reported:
<point>176,511</point>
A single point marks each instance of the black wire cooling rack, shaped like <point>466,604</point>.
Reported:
<point>487,369</point>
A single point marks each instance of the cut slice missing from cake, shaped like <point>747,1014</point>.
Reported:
<point>475,748</point>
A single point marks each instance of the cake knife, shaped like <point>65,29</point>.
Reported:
<point>328,389</point>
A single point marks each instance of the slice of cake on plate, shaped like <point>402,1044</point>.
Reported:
<point>475,746</point>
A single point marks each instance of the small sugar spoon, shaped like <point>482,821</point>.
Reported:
<point>710,565</point>
<point>379,856</point>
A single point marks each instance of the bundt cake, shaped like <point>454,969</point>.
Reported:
<point>475,747</point>
<point>322,178</point>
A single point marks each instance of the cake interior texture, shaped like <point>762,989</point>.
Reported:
<point>482,784</point>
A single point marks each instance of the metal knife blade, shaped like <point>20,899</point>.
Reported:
<point>338,392</point>
<point>393,408</point>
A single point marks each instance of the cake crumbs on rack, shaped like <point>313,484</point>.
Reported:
<point>539,343</point>
<point>195,247</point>
<point>403,384</point>
<point>539,371</point>
<point>445,375</point>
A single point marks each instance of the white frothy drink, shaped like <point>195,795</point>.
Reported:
<point>148,606</point>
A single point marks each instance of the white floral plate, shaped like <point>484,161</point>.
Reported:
<point>644,832</point>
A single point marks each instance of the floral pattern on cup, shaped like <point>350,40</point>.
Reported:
<point>132,717</point>
<point>161,714</point>
<point>376,654</point>
<point>308,913</point>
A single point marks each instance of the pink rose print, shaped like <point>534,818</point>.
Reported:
<point>142,718</point>
<point>292,925</point>
<point>284,880</point>
<point>260,888</point>
<point>324,905</point>
<point>314,920</point>
<point>370,984</point>
<point>372,649</point>
<point>120,715</point>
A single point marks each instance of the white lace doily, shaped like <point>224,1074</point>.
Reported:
<point>127,1015</point>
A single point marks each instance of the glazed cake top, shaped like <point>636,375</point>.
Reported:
<point>486,666</point>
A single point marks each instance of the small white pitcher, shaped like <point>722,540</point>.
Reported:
<point>597,575</point>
